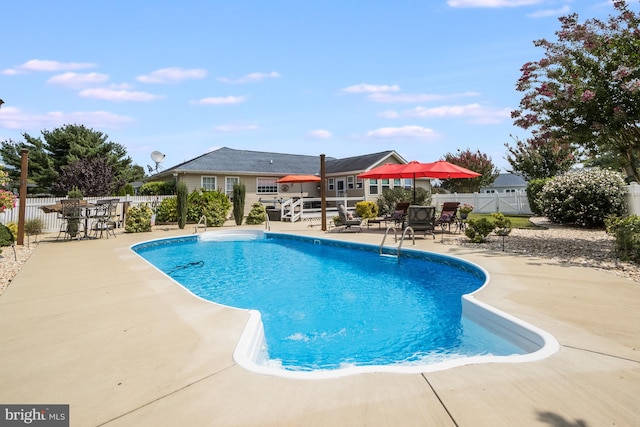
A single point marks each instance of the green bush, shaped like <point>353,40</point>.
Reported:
<point>126,189</point>
<point>157,188</point>
<point>501,223</point>
<point>13,227</point>
<point>392,196</point>
<point>534,187</point>
<point>182,203</point>
<point>75,193</point>
<point>257,214</point>
<point>478,229</point>
<point>33,226</point>
<point>626,230</point>
<point>367,210</point>
<point>584,198</point>
<point>213,204</point>
<point>6,236</point>
<point>167,210</point>
<point>239,191</point>
<point>138,219</point>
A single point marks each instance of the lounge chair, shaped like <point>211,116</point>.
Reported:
<point>448,215</point>
<point>422,218</point>
<point>347,223</point>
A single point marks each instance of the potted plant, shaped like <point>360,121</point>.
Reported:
<point>465,210</point>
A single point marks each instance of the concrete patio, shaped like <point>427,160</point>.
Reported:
<point>90,324</point>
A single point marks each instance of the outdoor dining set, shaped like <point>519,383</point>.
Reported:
<point>81,219</point>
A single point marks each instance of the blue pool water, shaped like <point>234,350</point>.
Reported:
<point>327,305</point>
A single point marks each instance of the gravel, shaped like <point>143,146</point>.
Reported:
<point>567,245</point>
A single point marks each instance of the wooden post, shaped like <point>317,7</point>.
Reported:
<point>24,165</point>
<point>323,194</point>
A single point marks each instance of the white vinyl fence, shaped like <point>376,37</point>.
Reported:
<point>51,221</point>
<point>507,203</point>
<point>517,203</point>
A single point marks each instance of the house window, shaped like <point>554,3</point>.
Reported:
<point>489,191</point>
<point>267,186</point>
<point>208,183</point>
<point>396,183</point>
<point>359,183</point>
<point>408,183</point>
<point>230,181</point>
<point>373,186</point>
<point>510,190</point>
<point>385,184</point>
<point>330,184</point>
<point>350,183</point>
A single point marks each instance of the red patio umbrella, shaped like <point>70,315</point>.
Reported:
<point>414,169</point>
<point>292,179</point>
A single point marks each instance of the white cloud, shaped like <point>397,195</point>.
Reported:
<point>14,118</point>
<point>550,12</point>
<point>118,95</point>
<point>221,100</point>
<point>250,78</point>
<point>235,128</point>
<point>493,3</point>
<point>36,65</point>
<point>319,134</point>
<point>75,80</point>
<point>474,112</point>
<point>172,75</point>
<point>416,97</point>
<point>412,132</point>
<point>368,88</point>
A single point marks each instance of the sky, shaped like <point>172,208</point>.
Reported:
<point>336,77</point>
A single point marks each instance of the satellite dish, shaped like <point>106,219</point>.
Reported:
<point>157,157</point>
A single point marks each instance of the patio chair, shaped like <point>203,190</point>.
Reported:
<point>448,215</point>
<point>348,224</point>
<point>72,219</point>
<point>422,218</point>
<point>103,218</point>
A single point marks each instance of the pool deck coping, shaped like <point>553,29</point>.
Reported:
<point>91,325</point>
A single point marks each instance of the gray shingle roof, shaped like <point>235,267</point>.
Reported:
<point>227,160</point>
<point>509,180</point>
<point>245,162</point>
<point>357,163</point>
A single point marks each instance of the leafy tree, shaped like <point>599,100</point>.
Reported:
<point>65,146</point>
<point>586,89</point>
<point>538,158</point>
<point>475,161</point>
<point>94,176</point>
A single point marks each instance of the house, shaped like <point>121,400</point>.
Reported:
<point>222,168</point>
<point>506,183</point>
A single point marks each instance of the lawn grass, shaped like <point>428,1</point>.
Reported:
<point>517,221</point>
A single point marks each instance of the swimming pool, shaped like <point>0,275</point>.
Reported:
<point>325,308</point>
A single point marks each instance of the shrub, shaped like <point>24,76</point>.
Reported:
<point>627,233</point>
<point>478,229</point>
<point>182,203</point>
<point>367,210</point>
<point>6,236</point>
<point>167,210</point>
<point>75,193</point>
<point>138,219</point>
<point>239,191</point>
<point>33,226</point>
<point>585,197</point>
<point>501,223</point>
<point>13,227</point>
<point>392,196</point>
<point>212,204</point>
<point>257,214</point>
<point>157,188</point>
<point>533,190</point>
<point>126,189</point>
